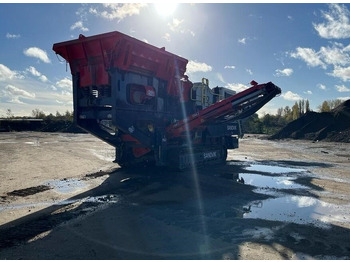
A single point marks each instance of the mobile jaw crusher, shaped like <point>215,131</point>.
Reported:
<point>137,98</point>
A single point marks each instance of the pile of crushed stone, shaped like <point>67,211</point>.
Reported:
<point>331,126</point>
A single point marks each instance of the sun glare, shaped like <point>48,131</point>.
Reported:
<point>165,9</point>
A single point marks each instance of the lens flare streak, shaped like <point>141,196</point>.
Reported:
<point>204,248</point>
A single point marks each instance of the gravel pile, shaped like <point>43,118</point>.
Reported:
<point>328,126</point>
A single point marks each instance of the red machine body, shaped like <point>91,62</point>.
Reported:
<point>91,57</point>
<point>137,98</point>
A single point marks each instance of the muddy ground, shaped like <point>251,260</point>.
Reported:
<point>61,197</point>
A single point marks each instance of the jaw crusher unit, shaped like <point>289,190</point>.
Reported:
<point>137,98</point>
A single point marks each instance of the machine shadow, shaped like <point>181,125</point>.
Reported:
<point>158,216</point>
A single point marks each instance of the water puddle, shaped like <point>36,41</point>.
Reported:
<point>277,182</point>
<point>66,186</point>
<point>298,209</point>
<point>286,207</point>
<point>274,169</point>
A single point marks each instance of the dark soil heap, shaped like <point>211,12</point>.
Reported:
<point>328,126</point>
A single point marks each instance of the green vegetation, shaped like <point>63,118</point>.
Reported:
<point>39,121</point>
<point>39,114</point>
<point>270,124</point>
<point>329,105</point>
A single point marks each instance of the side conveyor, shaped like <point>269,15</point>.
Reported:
<point>236,107</point>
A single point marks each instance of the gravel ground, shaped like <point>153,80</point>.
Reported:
<point>61,197</point>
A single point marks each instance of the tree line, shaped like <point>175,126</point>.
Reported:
<point>270,124</point>
<point>39,114</point>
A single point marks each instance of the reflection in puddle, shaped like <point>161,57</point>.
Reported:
<point>66,186</point>
<point>289,208</point>
<point>280,182</point>
<point>298,209</point>
<point>273,169</point>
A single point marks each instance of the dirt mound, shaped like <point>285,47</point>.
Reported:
<point>328,126</point>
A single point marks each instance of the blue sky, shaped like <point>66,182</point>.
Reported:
<point>303,48</point>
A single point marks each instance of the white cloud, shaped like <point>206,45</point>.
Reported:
<point>14,94</point>
<point>178,26</point>
<point>118,11</point>
<point>93,11</point>
<point>308,92</point>
<point>304,201</point>
<point>290,96</point>
<point>22,96</point>
<point>220,77</point>
<point>249,71</point>
<point>175,24</point>
<point>79,25</point>
<point>167,37</point>
<point>321,86</point>
<point>37,53</point>
<point>43,78</point>
<point>344,98</point>
<point>341,72</point>
<point>66,93</point>
<point>284,72</point>
<point>229,67</point>
<point>342,88</point>
<point>335,55</point>
<point>12,36</point>
<point>7,74</point>
<point>268,108</point>
<point>19,92</point>
<point>337,23</point>
<point>15,100</point>
<point>194,66</point>
<point>347,48</point>
<point>64,83</point>
<point>238,87</point>
<point>309,56</point>
<point>35,72</point>
<point>242,40</point>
